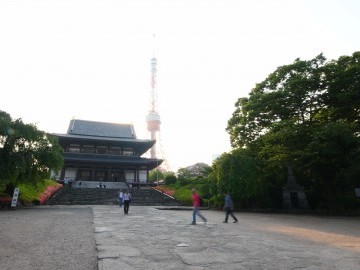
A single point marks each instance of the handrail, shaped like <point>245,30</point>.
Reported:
<point>163,193</point>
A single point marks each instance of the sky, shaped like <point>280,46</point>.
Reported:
<point>90,60</point>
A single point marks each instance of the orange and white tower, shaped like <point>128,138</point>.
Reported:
<point>153,117</point>
<point>153,121</point>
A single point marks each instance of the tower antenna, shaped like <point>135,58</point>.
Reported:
<point>154,45</point>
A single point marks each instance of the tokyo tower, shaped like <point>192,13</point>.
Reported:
<point>153,121</point>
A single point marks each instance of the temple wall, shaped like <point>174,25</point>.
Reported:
<point>142,176</point>
<point>70,173</point>
<point>129,176</point>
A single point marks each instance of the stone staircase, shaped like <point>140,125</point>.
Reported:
<point>105,196</point>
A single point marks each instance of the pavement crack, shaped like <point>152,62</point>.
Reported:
<point>110,257</point>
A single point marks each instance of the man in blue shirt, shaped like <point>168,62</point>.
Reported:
<point>228,207</point>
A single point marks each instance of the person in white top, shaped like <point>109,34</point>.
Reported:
<point>120,197</point>
<point>127,200</point>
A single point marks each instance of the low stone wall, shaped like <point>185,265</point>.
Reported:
<point>95,184</point>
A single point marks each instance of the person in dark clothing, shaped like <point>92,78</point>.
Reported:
<point>228,207</point>
<point>126,200</point>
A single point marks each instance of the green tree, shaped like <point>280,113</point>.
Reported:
<point>239,173</point>
<point>183,176</point>
<point>26,153</point>
<point>330,159</point>
<point>289,95</point>
<point>170,178</point>
<point>156,175</point>
<point>342,96</point>
<point>296,114</point>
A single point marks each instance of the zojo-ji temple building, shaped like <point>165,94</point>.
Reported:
<point>107,153</point>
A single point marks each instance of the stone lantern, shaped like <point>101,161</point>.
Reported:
<point>293,194</point>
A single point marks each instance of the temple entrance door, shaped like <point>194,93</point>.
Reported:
<point>100,175</point>
<point>84,175</point>
<point>117,176</point>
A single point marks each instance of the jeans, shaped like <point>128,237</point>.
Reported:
<point>120,201</point>
<point>195,213</point>
<point>229,212</point>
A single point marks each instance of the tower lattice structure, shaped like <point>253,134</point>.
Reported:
<point>153,121</point>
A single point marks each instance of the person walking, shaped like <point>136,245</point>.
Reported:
<point>120,197</point>
<point>196,204</point>
<point>127,200</point>
<point>228,207</point>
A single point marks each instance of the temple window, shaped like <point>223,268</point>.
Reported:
<point>128,152</point>
<point>74,148</point>
<point>115,151</point>
<point>88,149</point>
<point>100,175</point>
<point>85,175</point>
<point>101,150</point>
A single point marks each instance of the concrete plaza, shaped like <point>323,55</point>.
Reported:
<point>102,237</point>
<point>149,238</point>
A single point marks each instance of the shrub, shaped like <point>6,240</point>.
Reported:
<point>48,192</point>
<point>170,179</point>
<point>183,195</point>
<point>5,200</point>
<point>37,193</point>
<point>9,189</point>
<point>183,181</point>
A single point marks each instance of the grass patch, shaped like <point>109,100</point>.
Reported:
<point>182,192</point>
<point>30,193</point>
<point>34,192</point>
<point>184,196</point>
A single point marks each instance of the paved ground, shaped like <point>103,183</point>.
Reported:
<point>102,237</point>
<point>43,238</point>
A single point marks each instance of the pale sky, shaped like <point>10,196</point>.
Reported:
<point>90,59</point>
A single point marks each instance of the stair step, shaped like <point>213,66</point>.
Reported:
<point>104,196</point>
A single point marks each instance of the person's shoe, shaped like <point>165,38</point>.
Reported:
<point>225,221</point>
<point>235,221</point>
<point>193,223</point>
<point>205,221</point>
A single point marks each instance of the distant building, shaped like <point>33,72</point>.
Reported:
<point>104,152</point>
<point>197,169</point>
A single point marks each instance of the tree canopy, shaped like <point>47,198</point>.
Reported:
<point>305,115</point>
<point>26,153</point>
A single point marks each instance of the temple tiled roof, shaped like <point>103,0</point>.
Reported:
<point>101,129</point>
